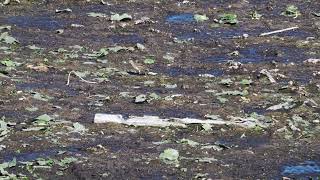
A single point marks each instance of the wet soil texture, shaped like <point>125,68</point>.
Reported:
<point>61,62</point>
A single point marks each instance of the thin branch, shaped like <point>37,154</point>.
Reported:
<point>279,31</point>
<point>268,74</point>
<point>68,81</point>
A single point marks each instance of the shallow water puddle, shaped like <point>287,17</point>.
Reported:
<point>187,32</point>
<point>43,23</point>
<point>206,35</point>
<point>180,18</point>
<point>310,168</point>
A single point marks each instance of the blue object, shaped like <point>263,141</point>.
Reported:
<point>180,18</point>
<point>308,167</point>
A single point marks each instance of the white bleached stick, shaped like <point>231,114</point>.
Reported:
<point>279,31</point>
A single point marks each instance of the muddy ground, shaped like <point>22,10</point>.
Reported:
<point>185,68</point>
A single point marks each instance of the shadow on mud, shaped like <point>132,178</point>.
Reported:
<point>179,71</point>
<point>49,153</point>
<point>262,54</point>
<point>39,22</point>
<point>54,86</point>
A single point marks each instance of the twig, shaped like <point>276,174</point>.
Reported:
<point>75,73</point>
<point>268,74</point>
<point>279,31</point>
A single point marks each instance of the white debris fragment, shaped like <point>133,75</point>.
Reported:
<point>199,121</point>
<point>316,73</point>
<point>155,121</point>
<point>268,74</point>
<point>311,102</point>
<point>234,65</point>
<point>104,118</point>
<point>77,25</point>
<point>67,10</point>
<point>251,122</point>
<point>317,121</point>
<point>279,31</point>
<point>152,120</point>
<point>143,20</point>
<point>312,61</point>
<point>6,2</point>
<point>285,105</point>
<point>206,75</point>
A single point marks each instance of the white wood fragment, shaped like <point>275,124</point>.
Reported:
<point>105,118</point>
<point>152,120</point>
<point>311,60</point>
<point>268,74</point>
<point>279,31</point>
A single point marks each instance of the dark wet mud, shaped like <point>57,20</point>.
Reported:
<point>63,67</point>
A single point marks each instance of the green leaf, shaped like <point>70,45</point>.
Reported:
<point>207,127</point>
<point>228,18</point>
<point>122,17</point>
<point>291,11</point>
<point>9,63</point>
<point>169,156</point>
<point>6,165</point>
<point>102,52</point>
<point>140,98</point>
<point>246,81</point>
<point>77,127</point>
<point>45,162</point>
<point>5,37</point>
<point>41,97</point>
<point>226,82</point>
<point>255,15</point>
<point>222,99</point>
<point>200,18</point>
<point>66,161</point>
<point>149,60</point>
<point>93,14</point>
<point>189,142</point>
<point>42,120</point>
